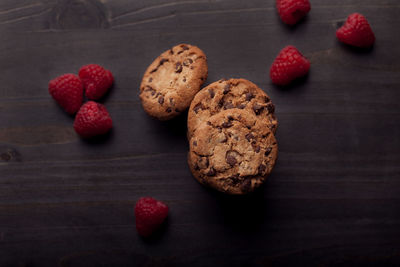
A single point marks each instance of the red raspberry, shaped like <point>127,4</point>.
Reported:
<point>96,79</point>
<point>92,119</point>
<point>291,11</point>
<point>67,90</point>
<point>288,65</point>
<point>150,214</point>
<point>356,31</point>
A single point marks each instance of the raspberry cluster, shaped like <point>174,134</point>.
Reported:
<point>92,118</point>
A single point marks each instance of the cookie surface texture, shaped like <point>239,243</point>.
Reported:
<point>172,80</point>
<point>231,94</point>
<point>232,152</point>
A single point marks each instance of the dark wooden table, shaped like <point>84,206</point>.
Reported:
<point>333,198</point>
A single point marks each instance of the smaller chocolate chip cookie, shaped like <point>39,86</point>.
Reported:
<point>232,152</point>
<point>172,80</point>
<point>230,94</point>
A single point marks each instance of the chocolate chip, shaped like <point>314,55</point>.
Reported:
<point>227,124</point>
<point>246,186</point>
<point>234,179</point>
<point>161,100</point>
<point>221,103</point>
<point>257,149</point>
<point>249,96</point>
<point>202,78</point>
<point>197,107</point>
<point>257,109</point>
<point>171,51</point>
<point>261,168</point>
<point>271,108</point>
<point>150,80</point>
<point>228,105</point>
<point>224,140</point>
<point>241,106</point>
<point>211,172</point>
<point>169,110</point>
<point>196,167</point>
<point>162,61</point>
<point>266,99</point>
<point>227,88</point>
<point>184,47</point>
<point>195,143</point>
<point>249,136</point>
<point>150,89</point>
<point>207,163</point>
<point>235,176</point>
<point>177,110</point>
<point>211,92</point>
<point>171,100</point>
<point>230,118</point>
<point>191,67</point>
<point>267,151</point>
<point>203,163</point>
<point>184,79</point>
<point>231,160</point>
<point>187,62</point>
<point>178,67</point>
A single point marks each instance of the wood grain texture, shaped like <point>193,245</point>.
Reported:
<point>333,198</point>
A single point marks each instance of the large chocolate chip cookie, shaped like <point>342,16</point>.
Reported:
<point>232,151</point>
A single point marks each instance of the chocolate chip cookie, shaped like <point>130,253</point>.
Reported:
<point>229,94</point>
<point>172,80</point>
<point>232,151</point>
